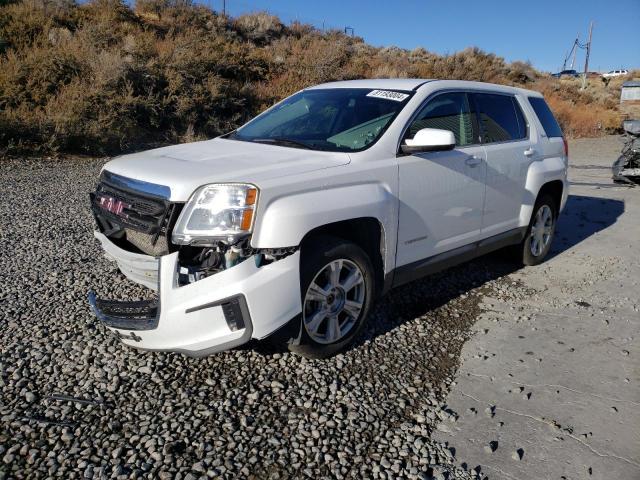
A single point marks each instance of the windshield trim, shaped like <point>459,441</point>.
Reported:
<point>233,135</point>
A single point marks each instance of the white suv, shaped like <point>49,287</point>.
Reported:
<point>296,222</point>
<point>615,73</point>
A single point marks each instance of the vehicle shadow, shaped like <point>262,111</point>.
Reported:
<point>583,217</point>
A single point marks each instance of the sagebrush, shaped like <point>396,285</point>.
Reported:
<point>102,77</point>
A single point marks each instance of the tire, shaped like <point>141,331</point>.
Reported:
<point>537,242</point>
<point>337,291</point>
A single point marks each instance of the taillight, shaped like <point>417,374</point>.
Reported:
<point>566,147</point>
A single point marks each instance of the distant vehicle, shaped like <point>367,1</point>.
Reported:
<point>566,73</point>
<point>295,222</point>
<point>615,73</point>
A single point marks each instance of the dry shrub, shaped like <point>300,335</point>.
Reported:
<point>260,28</point>
<point>389,71</point>
<point>588,112</point>
<point>101,77</point>
<point>305,61</point>
<point>298,29</point>
<point>522,72</point>
<point>577,121</point>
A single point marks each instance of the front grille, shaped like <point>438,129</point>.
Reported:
<point>143,219</point>
<point>142,213</point>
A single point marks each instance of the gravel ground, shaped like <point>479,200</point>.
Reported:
<point>76,403</point>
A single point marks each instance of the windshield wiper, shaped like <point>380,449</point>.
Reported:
<point>285,142</point>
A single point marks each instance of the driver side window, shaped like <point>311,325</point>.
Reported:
<point>448,111</point>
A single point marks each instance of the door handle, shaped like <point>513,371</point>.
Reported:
<point>473,161</point>
<point>529,152</point>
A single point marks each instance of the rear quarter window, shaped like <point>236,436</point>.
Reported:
<point>544,114</point>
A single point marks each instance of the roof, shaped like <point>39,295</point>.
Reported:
<point>408,84</point>
<point>386,83</point>
<point>631,83</point>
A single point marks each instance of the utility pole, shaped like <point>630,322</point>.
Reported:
<point>575,50</point>
<point>586,61</point>
<point>224,8</point>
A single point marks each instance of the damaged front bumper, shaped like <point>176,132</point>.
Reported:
<point>213,314</point>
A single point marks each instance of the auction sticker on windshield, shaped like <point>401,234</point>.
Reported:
<point>388,94</point>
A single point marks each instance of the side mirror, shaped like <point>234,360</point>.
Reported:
<point>429,140</point>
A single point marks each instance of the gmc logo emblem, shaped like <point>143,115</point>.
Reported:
<point>114,206</point>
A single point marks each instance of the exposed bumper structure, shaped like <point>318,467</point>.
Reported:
<point>140,268</point>
<point>213,314</point>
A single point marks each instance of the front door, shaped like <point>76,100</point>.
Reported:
<point>441,193</point>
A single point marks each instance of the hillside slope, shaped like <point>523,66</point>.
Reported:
<point>102,77</point>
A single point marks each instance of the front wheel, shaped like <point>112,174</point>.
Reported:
<point>337,290</point>
<point>542,227</point>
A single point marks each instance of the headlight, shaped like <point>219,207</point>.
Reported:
<point>216,212</point>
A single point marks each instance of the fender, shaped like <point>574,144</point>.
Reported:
<point>542,171</point>
<point>285,220</point>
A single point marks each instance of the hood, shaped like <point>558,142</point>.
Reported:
<point>185,167</point>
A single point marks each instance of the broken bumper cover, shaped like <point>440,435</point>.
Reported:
<point>137,315</point>
<point>211,315</point>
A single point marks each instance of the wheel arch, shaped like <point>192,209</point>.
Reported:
<point>545,176</point>
<point>555,189</point>
<point>366,232</point>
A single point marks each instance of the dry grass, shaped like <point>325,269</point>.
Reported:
<point>104,78</point>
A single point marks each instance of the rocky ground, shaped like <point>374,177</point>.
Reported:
<point>75,403</point>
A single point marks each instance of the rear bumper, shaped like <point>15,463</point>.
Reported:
<point>213,314</point>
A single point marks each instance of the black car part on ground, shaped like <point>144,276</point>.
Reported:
<point>626,169</point>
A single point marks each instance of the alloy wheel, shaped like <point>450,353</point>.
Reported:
<point>333,301</point>
<point>541,230</point>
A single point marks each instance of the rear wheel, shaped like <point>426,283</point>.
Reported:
<point>539,236</point>
<point>337,289</point>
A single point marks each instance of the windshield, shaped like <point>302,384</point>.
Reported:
<point>337,119</point>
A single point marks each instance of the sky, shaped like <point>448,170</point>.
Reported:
<point>540,31</point>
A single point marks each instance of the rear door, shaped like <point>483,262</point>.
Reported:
<point>441,193</point>
<point>504,133</point>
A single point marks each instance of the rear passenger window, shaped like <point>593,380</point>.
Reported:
<point>448,111</point>
<point>544,114</point>
<point>500,118</point>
